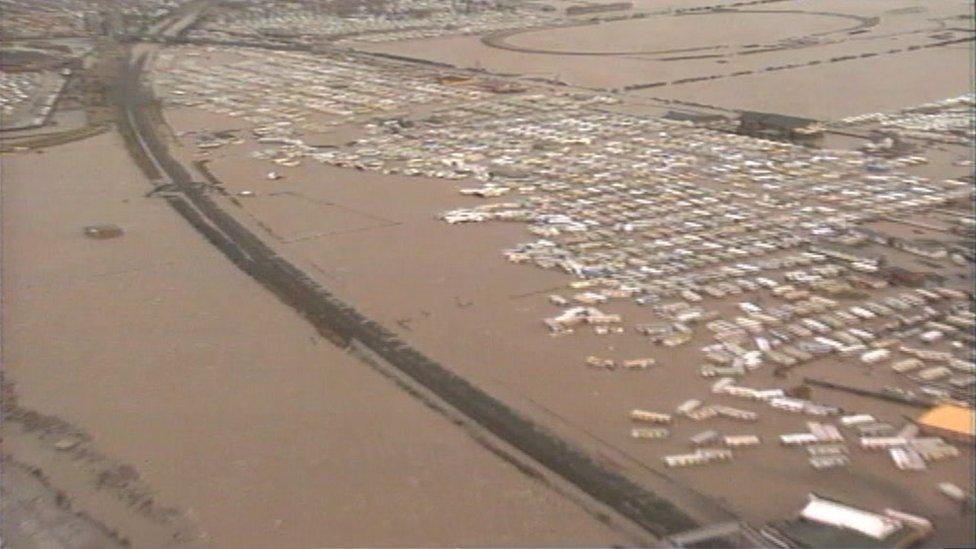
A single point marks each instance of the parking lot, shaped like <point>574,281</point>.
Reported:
<point>654,266</point>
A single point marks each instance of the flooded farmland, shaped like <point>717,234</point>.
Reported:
<point>465,273</point>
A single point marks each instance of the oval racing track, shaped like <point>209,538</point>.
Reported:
<point>500,40</point>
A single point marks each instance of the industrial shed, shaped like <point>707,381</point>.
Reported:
<point>779,126</point>
<point>950,421</point>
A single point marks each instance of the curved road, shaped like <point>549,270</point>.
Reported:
<point>499,40</point>
<point>346,327</point>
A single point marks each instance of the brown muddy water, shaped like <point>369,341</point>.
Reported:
<point>448,292</point>
<point>230,406</point>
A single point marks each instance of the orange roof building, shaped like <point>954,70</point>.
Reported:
<point>951,422</point>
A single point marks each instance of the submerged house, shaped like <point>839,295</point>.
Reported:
<point>696,118</point>
<point>828,523</point>
<point>779,127</point>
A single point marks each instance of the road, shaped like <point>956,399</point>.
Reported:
<point>348,329</point>
<point>174,24</point>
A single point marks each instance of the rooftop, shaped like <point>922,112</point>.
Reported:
<point>952,418</point>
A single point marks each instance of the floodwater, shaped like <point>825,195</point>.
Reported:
<point>228,404</point>
<point>682,32</point>
<point>838,90</point>
<point>743,55</point>
<point>448,292</point>
<point>236,412</point>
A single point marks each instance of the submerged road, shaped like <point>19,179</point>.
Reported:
<point>349,329</point>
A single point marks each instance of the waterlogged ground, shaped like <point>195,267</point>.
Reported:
<point>230,407</point>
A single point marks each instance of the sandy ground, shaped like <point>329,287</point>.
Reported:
<point>225,402</point>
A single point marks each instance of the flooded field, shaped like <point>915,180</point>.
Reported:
<point>684,33</point>
<point>436,299</point>
<point>827,62</point>
<point>338,224</point>
<point>228,405</point>
<point>429,273</point>
<point>855,86</point>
